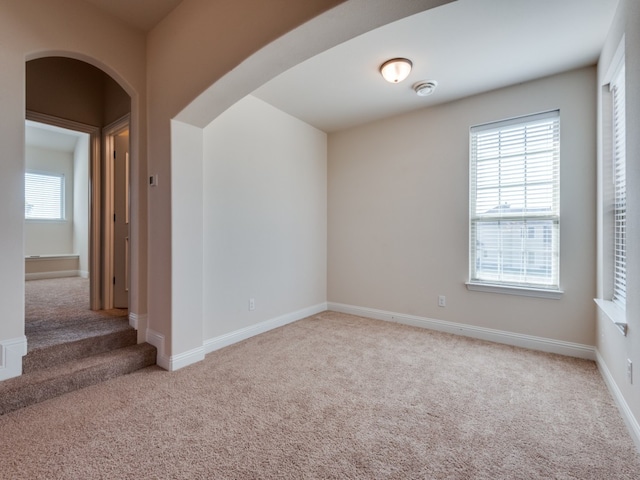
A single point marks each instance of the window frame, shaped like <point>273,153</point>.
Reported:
<point>618,163</point>
<point>62,196</point>
<point>526,217</point>
<point>615,311</point>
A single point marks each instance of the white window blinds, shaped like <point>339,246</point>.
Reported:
<point>44,196</point>
<point>515,202</point>
<point>620,190</point>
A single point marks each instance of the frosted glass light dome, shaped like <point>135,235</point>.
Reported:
<point>396,69</point>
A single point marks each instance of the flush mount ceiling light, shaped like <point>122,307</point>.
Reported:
<point>396,69</point>
<point>426,88</point>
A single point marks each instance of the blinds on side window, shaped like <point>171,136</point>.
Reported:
<point>620,190</point>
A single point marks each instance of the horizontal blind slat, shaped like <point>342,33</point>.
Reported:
<point>44,196</point>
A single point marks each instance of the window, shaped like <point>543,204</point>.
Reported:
<point>44,196</point>
<point>514,217</point>
<point>620,191</point>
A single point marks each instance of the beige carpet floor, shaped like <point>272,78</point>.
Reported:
<point>333,397</point>
<point>57,311</point>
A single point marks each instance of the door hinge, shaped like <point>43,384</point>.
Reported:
<point>114,280</point>
<point>114,217</point>
<point>114,154</point>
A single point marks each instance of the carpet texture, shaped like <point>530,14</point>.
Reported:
<point>57,311</point>
<point>70,346</point>
<point>57,380</point>
<point>334,396</point>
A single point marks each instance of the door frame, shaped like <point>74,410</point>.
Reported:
<point>108,184</point>
<point>95,197</point>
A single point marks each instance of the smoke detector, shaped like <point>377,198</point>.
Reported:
<point>425,88</point>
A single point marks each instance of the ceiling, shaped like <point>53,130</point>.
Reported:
<point>49,137</point>
<point>468,47</point>
<point>141,14</point>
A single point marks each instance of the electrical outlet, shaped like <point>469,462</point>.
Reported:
<point>442,301</point>
<point>629,370</point>
<point>252,304</point>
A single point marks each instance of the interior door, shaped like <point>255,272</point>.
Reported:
<point>121,221</point>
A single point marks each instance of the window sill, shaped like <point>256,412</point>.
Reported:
<point>511,290</point>
<point>46,220</point>
<point>616,314</point>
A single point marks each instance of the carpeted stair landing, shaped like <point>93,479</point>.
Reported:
<point>70,346</point>
<point>40,385</point>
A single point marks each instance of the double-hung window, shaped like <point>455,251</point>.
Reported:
<point>620,191</point>
<point>44,196</point>
<point>514,218</point>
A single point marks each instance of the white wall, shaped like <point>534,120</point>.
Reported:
<point>614,348</point>
<point>187,247</point>
<point>51,237</point>
<point>265,202</point>
<point>398,213</point>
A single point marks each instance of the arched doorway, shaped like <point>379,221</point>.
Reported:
<point>65,94</point>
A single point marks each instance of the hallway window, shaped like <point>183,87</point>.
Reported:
<point>44,196</point>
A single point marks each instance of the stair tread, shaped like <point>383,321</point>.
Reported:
<point>52,355</point>
<point>68,369</point>
<point>44,334</point>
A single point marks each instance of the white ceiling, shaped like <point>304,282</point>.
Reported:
<point>50,137</point>
<point>468,46</point>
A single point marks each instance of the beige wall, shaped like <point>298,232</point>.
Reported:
<point>34,28</point>
<point>613,347</point>
<point>265,216</point>
<point>398,213</point>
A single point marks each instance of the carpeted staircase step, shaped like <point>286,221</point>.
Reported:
<point>41,385</point>
<point>54,355</point>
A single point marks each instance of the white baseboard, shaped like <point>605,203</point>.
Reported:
<point>499,336</point>
<point>58,274</point>
<point>184,359</point>
<point>138,320</point>
<point>11,353</point>
<point>172,362</point>
<point>625,411</point>
<point>157,340</point>
<point>230,338</point>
